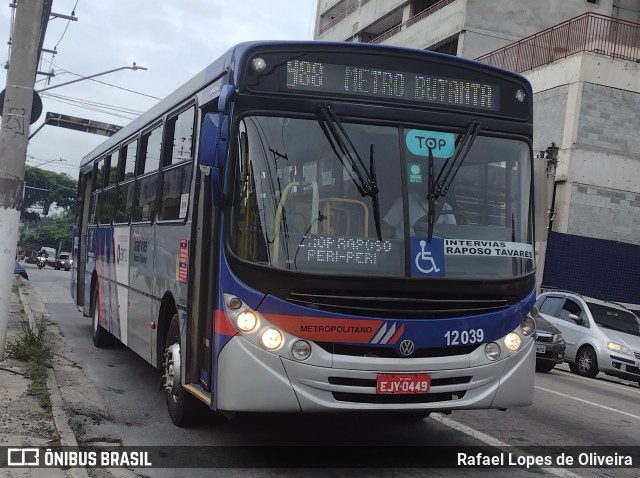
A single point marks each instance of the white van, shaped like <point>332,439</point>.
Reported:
<point>51,260</point>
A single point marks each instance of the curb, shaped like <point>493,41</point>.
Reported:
<point>60,417</point>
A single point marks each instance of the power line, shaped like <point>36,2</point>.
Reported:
<point>91,108</point>
<point>73,12</point>
<point>93,103</point>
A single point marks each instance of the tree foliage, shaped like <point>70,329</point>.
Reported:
<point>46,189</point>
<point>49,231</point>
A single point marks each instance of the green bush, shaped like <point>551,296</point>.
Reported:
<point>30,346</point>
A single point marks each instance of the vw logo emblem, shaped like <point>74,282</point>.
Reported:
<point>406,348</point>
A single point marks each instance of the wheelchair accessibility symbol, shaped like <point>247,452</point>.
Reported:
<point>427,259</point>
<point>424,258</point>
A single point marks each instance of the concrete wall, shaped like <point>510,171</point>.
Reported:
<point>483,25</point>
<point>439,26</point>
<point>609,120</point>
<point>360,19</point>
<point>604,213</point>
<point>599,159</point>
<point>490,25</point>
<point>549,112</point>
<point>627,10</point>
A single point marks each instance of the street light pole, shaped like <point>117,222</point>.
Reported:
<point>134,67</point>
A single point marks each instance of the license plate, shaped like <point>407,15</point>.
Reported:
<point>403,383</point>
<point>540,349</point>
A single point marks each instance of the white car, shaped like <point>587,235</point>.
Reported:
<point>600,336</point>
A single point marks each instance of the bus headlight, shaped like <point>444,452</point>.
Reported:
<point>492,351</point>
<point>301,349</point>
<point>247,321</point>
<point>512,341</point>
<point>272,338</point>
<point>527,326</point>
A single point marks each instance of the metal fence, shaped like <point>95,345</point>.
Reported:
<point>588,32</point>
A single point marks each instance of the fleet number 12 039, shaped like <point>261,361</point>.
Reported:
<point>456,337</point>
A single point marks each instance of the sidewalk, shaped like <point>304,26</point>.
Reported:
<point>23,421</point>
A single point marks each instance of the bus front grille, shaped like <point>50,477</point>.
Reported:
<point>383,304</point>
<point>392,352</point>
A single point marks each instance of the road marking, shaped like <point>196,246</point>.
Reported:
<point>494,442</point>
<point>606,380</point>
<point>637,417</point>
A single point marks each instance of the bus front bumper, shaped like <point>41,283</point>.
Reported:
<point>251,379</point>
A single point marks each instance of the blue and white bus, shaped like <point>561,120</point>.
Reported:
<point>320,227</point>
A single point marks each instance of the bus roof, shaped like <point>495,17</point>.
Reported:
<point>236,53</point>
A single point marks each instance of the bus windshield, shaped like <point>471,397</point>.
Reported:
<point>299,202</point>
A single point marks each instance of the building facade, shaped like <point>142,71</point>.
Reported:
<point>582,58</point>
<point>467,28</point>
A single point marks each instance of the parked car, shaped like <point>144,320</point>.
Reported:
<point>600,336</point>
<point>63,261</point>
<point>19,269</point>
<point>550,345</point>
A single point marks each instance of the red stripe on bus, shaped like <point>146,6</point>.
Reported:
<point>326,330</point>
<point>222,324</point>
<point>397,335</point>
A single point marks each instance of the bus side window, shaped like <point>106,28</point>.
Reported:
<point>147,175</point>
<point>126,184</point>
<point>92,209</point>
<point>177,166</point>
<point>107,200</point>
<point>145,198</point>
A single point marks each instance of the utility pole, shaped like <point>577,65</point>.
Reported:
<point>30,25</point>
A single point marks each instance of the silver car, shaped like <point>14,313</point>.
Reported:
<point>600,336</point>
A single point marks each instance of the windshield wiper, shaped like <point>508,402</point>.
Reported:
<point>452,165</point>
<point>440,186</point>
<point>344,149</point>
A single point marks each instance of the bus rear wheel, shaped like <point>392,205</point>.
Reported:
<point>183,407</point>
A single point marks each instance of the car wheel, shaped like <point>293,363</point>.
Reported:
<point>101,336</point>
<point>587,362</point>
<point>184,409</point>
<point>545,367</point>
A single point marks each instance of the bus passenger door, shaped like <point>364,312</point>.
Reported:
<point>203,284</point>
<point>85,197</point>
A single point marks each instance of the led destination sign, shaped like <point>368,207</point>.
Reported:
<point>390,84</point>
<point>348,254</point>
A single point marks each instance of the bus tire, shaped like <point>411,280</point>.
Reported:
<point>101,337</point>
<point>183,407</point>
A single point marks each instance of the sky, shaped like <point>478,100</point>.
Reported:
<point>174,40</point>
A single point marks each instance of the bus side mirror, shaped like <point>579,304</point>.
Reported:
<point>214,138</point>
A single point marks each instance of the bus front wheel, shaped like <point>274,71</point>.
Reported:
<point>101,336</point>
<point>182,406</point>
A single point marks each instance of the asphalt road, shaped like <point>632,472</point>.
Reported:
<point>117,401</point>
